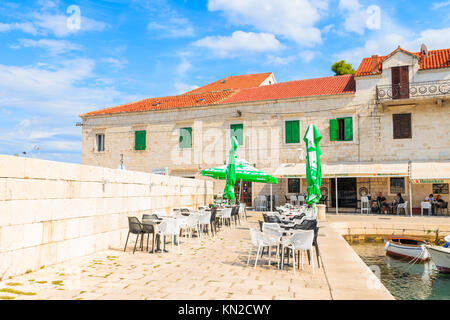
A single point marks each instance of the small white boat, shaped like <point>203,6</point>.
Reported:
<point>407,248</point>
<point>441,256</point>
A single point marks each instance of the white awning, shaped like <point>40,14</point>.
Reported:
<point>346,169</point>
<point>430,172</point>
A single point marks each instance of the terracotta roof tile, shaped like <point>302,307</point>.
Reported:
<point>436,59</point>
<point>299,88</point>
<point>170,102</point>
<point>234,82</point>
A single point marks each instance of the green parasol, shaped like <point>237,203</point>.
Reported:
<point>244,171</point>
<point>228,192</point>
<point>313,166</point>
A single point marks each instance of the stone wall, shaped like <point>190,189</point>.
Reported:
<point>51,211</point>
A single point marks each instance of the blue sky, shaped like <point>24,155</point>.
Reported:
<point>54,66</point>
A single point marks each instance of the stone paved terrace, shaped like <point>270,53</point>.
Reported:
<point>209,268</point>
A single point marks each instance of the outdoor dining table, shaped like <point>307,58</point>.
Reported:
<point>154,223</point>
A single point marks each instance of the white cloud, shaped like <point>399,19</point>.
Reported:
<point>434,38</point>
<point>439,5</point>
<point>279,61</point>
<point>116,63</point>
<point>54,47</point>
<point>166,22</point>
<point>56,24</point>
<point>240,43</point>
<point>182,87</point>
<point>307,55</point>
<point>26,27</point>
<point>173,27</point>
<point>292,19</point>
<point>355,15</point>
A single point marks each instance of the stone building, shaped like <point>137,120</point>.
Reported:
<point>394,110</point>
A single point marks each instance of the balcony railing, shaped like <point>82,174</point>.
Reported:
<point>413,90</point>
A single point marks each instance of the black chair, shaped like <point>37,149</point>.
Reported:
<point>148,228</point>
<point>323,199</point>
<point>265,217</point>
<point>213,221</point>
<point>235,214</point>
<point>442,206</point>
<point>135,227</point>
<point>260,225</point>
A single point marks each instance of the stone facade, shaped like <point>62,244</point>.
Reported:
<point>52,212</point>
<point>264,128</point>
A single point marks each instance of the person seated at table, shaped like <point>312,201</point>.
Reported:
<point>429,198</point>
<point>396,201</point>
<point>383,206</point>
<point>439,202</point>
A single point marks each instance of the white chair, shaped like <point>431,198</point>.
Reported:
<point>300,240</point>
<point>243,210</point>
<point>365,205</point>
<point>170,227</point>
<point>270,225</point>
<point>425,205</point>
<point>272,235</point>
<point>261,203</point>
<point>204,220</point>
<point>226,215</point>
<point>191,223</point>
<point>403,206</point>
<point>293,200</point>
<point>257,241</point>
<point>301,200</point>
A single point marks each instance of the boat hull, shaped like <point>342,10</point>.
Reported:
<point>440,257</point>
<point>417,253</point>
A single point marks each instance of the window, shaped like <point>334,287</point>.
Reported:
<point>397,185</point>
<point>292,131</point>
<point>440,188</point>
<point>293,185</point>
<point>237,130</point>
<point>140,140</point>
<point>402,126</point>
<point>100,142</point>
<point>186,137</point>
<point>341,129</point>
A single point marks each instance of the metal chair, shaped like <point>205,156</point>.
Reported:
<point>443,206</point>
<point>135,227</point>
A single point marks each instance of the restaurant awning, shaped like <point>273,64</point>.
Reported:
<point>430,172</point>
<point>346,169</point>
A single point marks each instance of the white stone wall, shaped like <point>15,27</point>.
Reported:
<point>51,211</point>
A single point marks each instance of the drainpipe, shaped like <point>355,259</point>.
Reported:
<point>410,193</point>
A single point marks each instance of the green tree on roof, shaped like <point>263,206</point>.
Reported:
<point>341,67</point>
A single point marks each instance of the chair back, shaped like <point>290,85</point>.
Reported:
<point>149,216</point>
<point>204,217</point>
<point>242,207</point>
<point>272,235</point>
<point>170,227</point>
<point>255,236</point>
<point>270,225</point>
<point>226,213</point>
<point>303,239</point>
<point>134,225</point>
<point>425,205</point>
<point>213,214</point>
<point>273,219</point>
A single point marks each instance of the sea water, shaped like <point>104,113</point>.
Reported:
<point>403,279</point>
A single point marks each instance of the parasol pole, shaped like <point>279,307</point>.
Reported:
<point>271,202</point>
<point>336,184</point>
<point>240,191</point>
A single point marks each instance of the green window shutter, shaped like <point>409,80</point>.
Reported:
<point>334,130</point>
<point>140,139</point>
<point>237,130</point>
<point>185,137</point>
<point>348,128</point>
<point>292,131</point>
